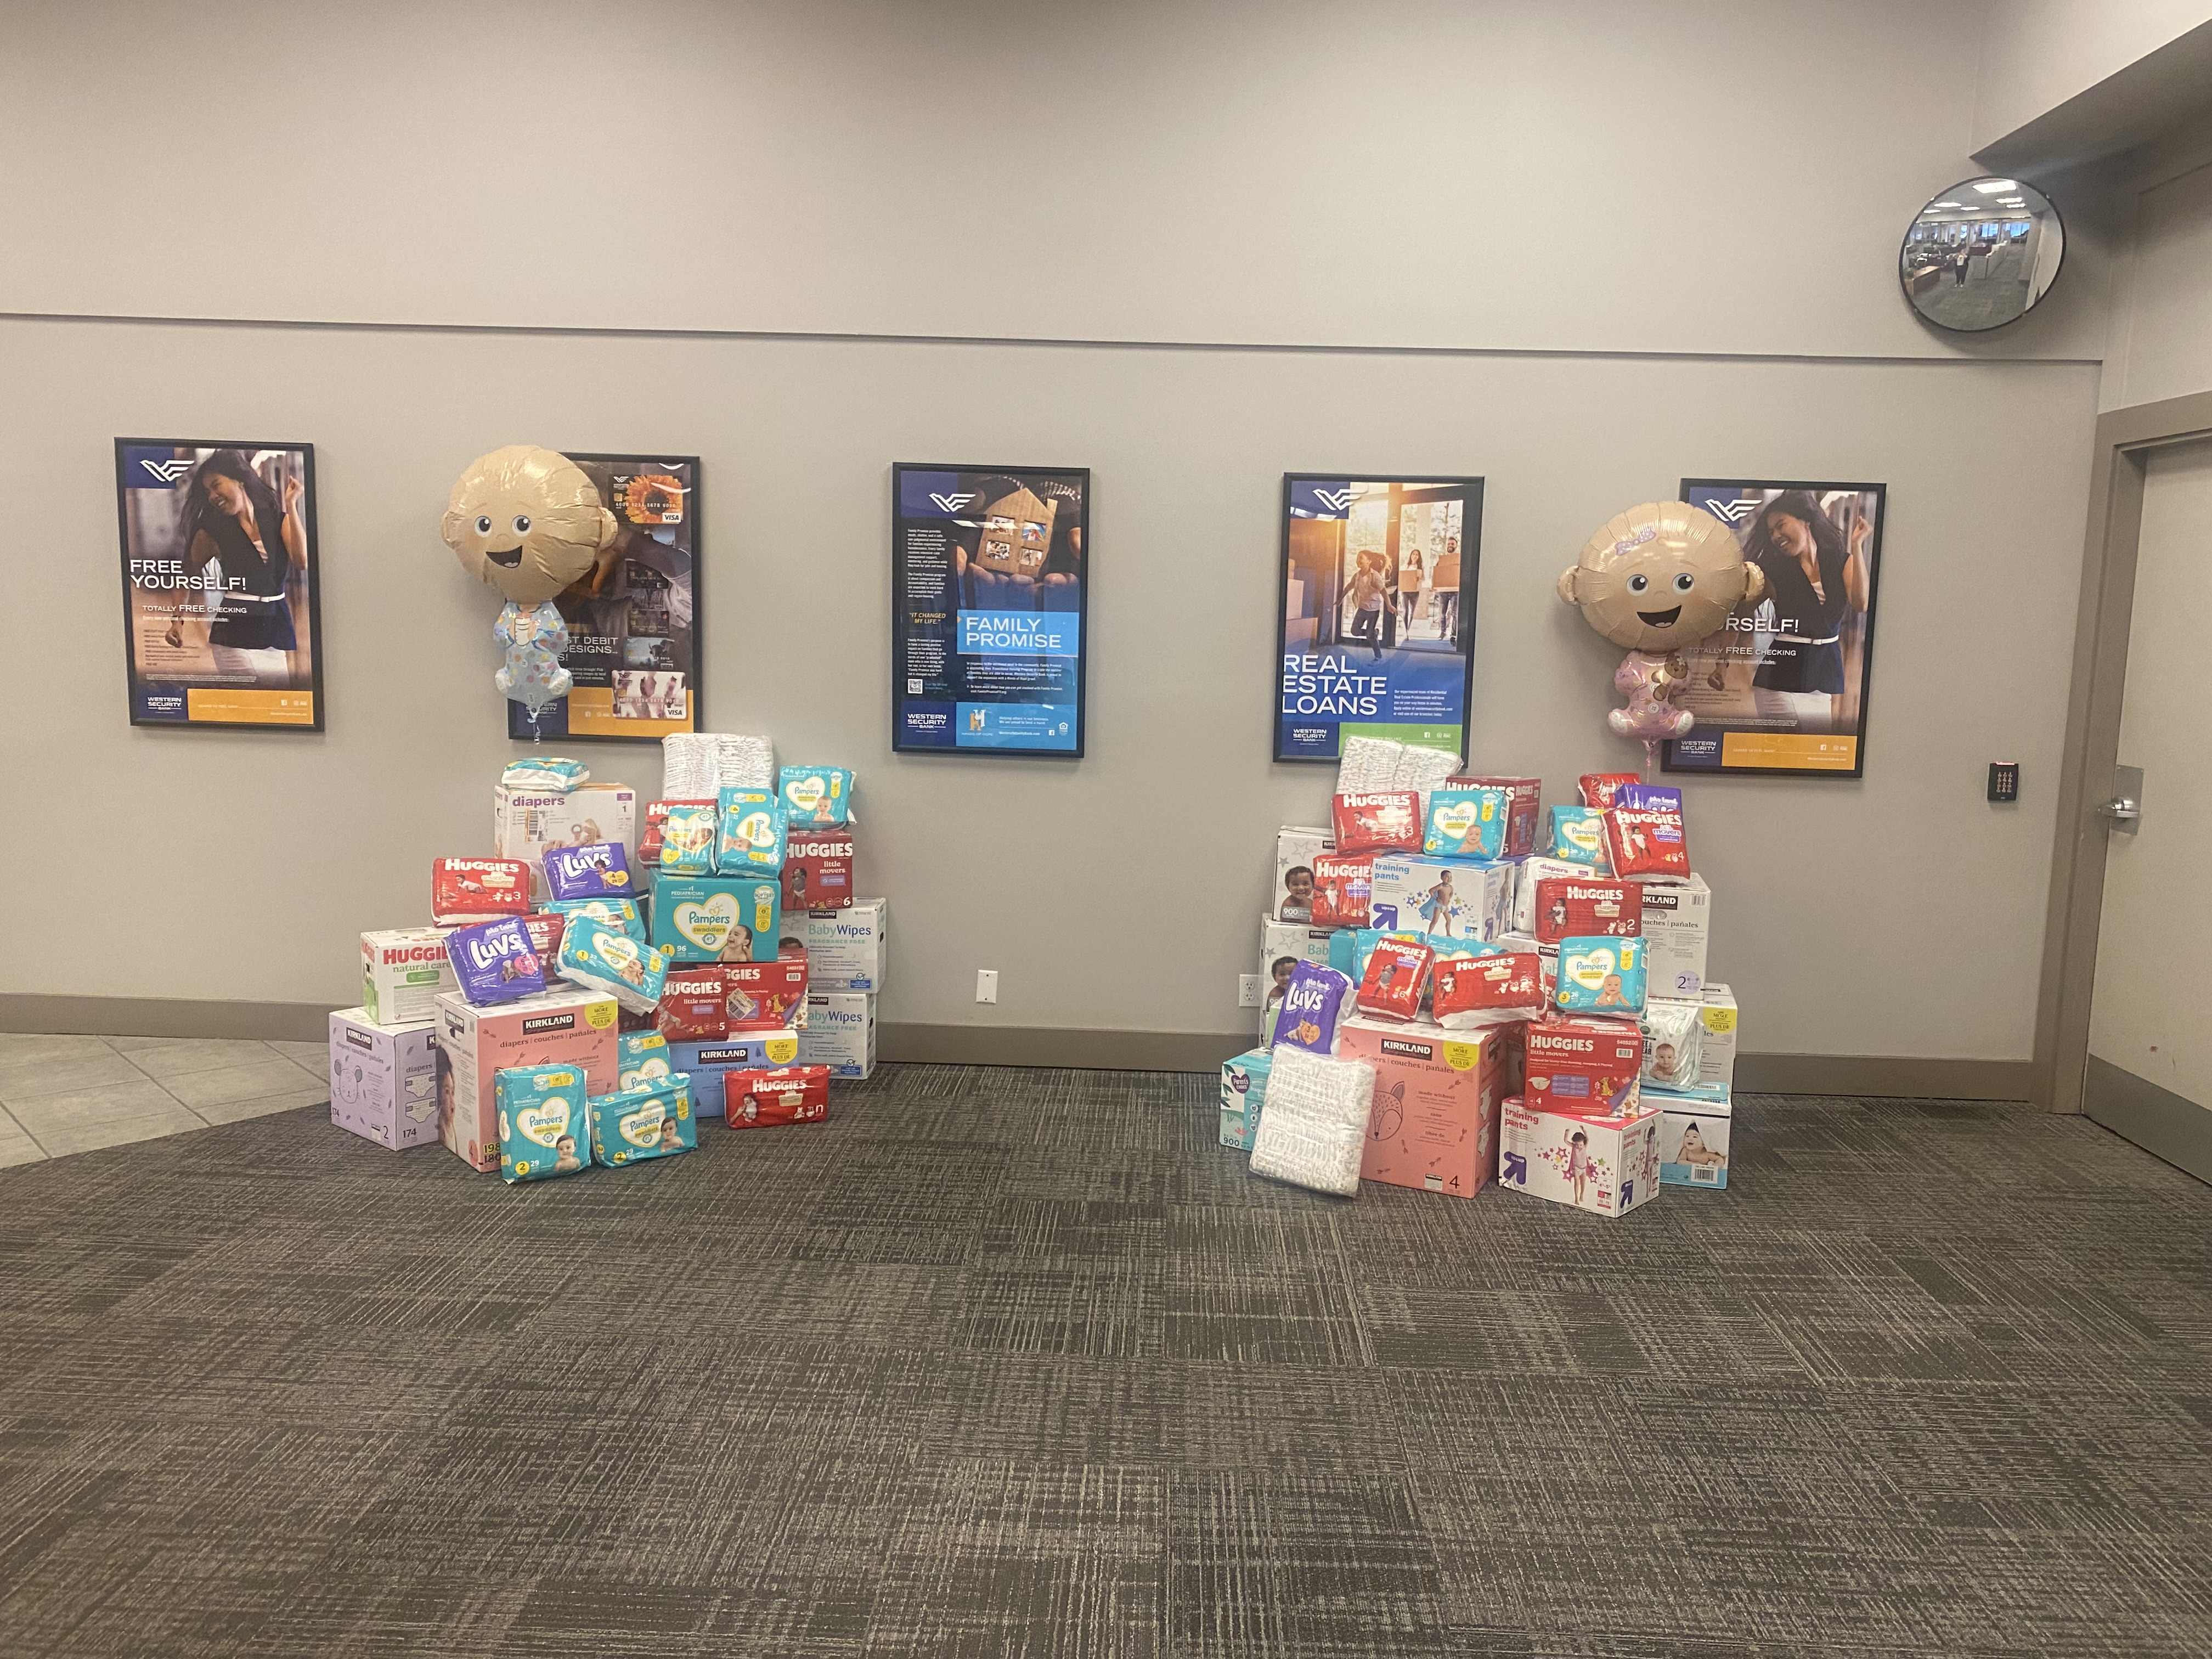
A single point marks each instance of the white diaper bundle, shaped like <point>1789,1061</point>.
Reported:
<point>1423,769</point>
<point>1316,1125</point>
<point>700,765</point>
<point>1371,765</point>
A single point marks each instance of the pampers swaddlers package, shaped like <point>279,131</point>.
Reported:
<point>817,794</point>
<point>652,1119</point>
<point>754,831</point>
<point>709,917</point>
<point>541,1121</point>
<point>1465,823</point>
<point>640,1057</point>
<point>1601,976</point>
<point>603,958</point>
<point>620,913</point>
<point>1578,838</point>
<point>688,837</point>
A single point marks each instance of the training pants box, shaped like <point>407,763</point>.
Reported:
<point>1442,897</point>
<point>568,1027</point>
<point>1678,924</point>
<point>847,950</point>
<point>404,972</point>
<point>383,1079</point>
<point>707,1063</point>
<point>1694,1131</point>
<point>1603,1162</point>
<point>840,1032</point>
<point>1716,1047</point>
<point>526,822</point>
<point>1433,1126</point>
<point>1283,945</point>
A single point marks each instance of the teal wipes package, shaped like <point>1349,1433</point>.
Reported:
<point>620,914</point>
<point>606,959</point>
<point>1465,823</point>
<point>654,1120</point>
<point>1601,976</point>
<point>688,838</point>
<point>817,794</point>
<point>641,1057</point>
<point>1578,838</point>
<point>542,1131</point>
<point>753,832</point>
<point>546,774</point>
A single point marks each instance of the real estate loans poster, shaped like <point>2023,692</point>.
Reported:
<point>990,574</point>
<point>1376,612</point>
<point>221,598</point>
<point>634,616</point>
<point>1782,688</point>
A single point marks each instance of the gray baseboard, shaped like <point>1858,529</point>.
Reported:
<point>1891,1077</point>
<point>2163,1123</point>
<point>165,1017</point>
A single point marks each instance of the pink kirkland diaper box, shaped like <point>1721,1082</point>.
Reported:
<point>1434,1122</point>
<point>568,1027</point>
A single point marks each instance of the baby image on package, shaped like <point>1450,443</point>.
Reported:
<point>541,1121</point>
<point>654,1120</point>
<point>1602,975</point>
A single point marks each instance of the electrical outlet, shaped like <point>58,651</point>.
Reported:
<point>986,985</point>
<point>1247,990</point>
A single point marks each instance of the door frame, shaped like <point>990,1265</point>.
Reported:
<point>2126,438</point>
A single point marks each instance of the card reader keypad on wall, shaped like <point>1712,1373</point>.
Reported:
<point>2005,780</point>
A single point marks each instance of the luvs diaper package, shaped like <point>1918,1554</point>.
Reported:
<point>495,962</point>
<point>1386,821</point>
<point>465,891</point>
<point>717,918</point>
<point>1465,823</point>
<point>753,834</point>
<point>1578,838</point>
<point>1671,1043</point>
<point>640,1057</point>
<point>688,837</point>
<point>652,1119</point>
<point>817,794</point>
<point>1313,1001</point>
<point>542,1130</point>
<point>1315,1129</point>
<point>598,869</point>
<point>606,959</point>
<point>1343,888</point>
<point>1601,976</point>
<point>1283,945</point>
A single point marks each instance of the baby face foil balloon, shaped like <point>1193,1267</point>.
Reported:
<point>1660,577</point>
<point>526,521</point>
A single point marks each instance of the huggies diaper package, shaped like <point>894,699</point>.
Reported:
<point>1441,898</point>
<point>602,958</point>
<point>495,962</point>
<point>640,1057</point>
<point>847,950</point>
<point>654,1119</point>
<point>840,1033</point>
<point>694,1004</point>
<point>1606,1163</point>
<point>383,1079</point>
<point>1244,1093</point>
<point>1384,822</point>
<point>1641,844</point>
<point>526,822</point>
<point>1524,810</point>
<point>403,973</point>
<point>564,1027</point>
<point>705,1063</point>
<point>1693,1140</point>
<point>1465,823</point>
<point>687,836</point>
<point>817,870</point>
<point>1295,849</point>
<point>1343,888</point>
<point>1678,924</point>
<point>1601,976</point>
<point>549,774</point>
<point>1672,1049</point>
<point>465,891</point>
<point>1573,908</point>
<point>1532,871</point>
<point>753,834</point>
<point>1313,1001</point>
<point>710,918</point>
<point>787,1094</point>
<point>1315,1129</point>
<point>1597,789</point>
<point>621,914</point>
<point>598,869</point>
<point>817,794</point>
<point>546,929</point>
<point>1432,1118</point>
<point>1391,984</point>
<point>765,996</point>
<point>1578,838</point>
<point>1582,1063</point>
<point>1283,945</point>
<point>1476,991</point>
<point>542,1123</point>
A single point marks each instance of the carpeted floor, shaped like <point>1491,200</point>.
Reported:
<point>1021,1363</point>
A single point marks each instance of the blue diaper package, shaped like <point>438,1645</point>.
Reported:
<point>654,1120</point>
<point>542,1131</point>
<point>596,869</point>
<point>1601,976</point>
<point>620,914</point>
<point>755,829</point>
<point>688,838</point>
<point>1578,838</point>
<point>1244,1092</point>
<point>717,918</point>
<point>707,1063</point>
<point>817,794</point>
<point>641,1057</point>
<point>607,960</point>
<point>494,961</point>
<point>1465,823</point>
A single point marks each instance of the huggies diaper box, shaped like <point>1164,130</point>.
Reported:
<point>817,870</point>
<point>1243,1094</point>
<point>1553,907</point>
<point>526,822</point>
<point>1440,898</point>
<point>1605,1162</point>
<point>566,1027</point>
<point>404,971</point>
<point>1678,924</point>
<point>840,1032</point>
<point>383,1079</point>
<point>705,1063</point>
<point>1433,1126</point>
<point>1582,1063</point>
<point>786,1094</point>
<point>847,950</point>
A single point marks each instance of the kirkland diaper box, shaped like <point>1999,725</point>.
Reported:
<point>1694,1129</point>
<point>1678,923</point>
<point>708,1063</point>
<point>1442,897</point>
<point>526,822</point>
<point>568,1027</point>
<point>1296,848</point>
<point>1283,944</point>
<point>404,972</point>
<point>1243,1094</point>
<point>1605,1162</point>
<point>383,1079</point>
<point>1433,1126</point>
<point>847,950</point>
<point>840,1032</point>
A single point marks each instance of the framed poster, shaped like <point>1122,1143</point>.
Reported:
<point>633,618</point>
<point>222,600</point>
<point>990,589</point>
<point>1375,620</point>
<point>1783,689</point>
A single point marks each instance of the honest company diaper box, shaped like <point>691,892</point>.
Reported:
<point>383,1079</point>
<point>1433,1124</point>
<point>840,1032</point>
<point>1694,1128</point>
<point>707,1063</point>
<point>1243,1096</point>
<point>1678,924</point>
<point>1607,1164</point>
<point>526,822</point>
<point>1442,897</point>
<point>404,972</point>
<point>1717,1045</point>
<point>554,1028</point>
<point>847,950</point>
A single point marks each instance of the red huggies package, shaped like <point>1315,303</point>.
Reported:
<point>1343,890</point>
<point>465,891</point>
<point>1388,820</point>
<point>766,996</point>
<point>1473,991</point>
<point>545,928</point>
<point>694,1005</point>
<point>788,1094</point>
<point>1646,843</point>
<point>1397,971</point>
<point>817,868</point>
<point>1570,907</point>
<point>1524,807</point>
<point>1597,788</point>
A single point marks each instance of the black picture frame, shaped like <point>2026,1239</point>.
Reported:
<point>1468,488</point>
<point>133,681</point>
<point>903,629</point>
<point>1668,761</point>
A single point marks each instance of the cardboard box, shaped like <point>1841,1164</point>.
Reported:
<point>707,1063</point>
<point>1243,1094</point>
<point>1285,940</point>
<point>404,972</point>
<point>840,1032</point>
<point>1579,1064</point>
<point>1480,906</point>
<point>1434,1122</point>
<point>764,996</point>
<point>1606,1163</point>
<point>526,822</point>
<point>1296,848</point>
<point>847,950</point>
<point>1523,812</point>
<point>567,1027</point>
<point>1717,1048</point>
<point>383,1079</point>
<point>1678,925</point>
<point>1694,1131</point>
<point>817,868</point>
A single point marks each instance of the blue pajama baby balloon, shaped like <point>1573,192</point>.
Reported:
<point>533,675</point>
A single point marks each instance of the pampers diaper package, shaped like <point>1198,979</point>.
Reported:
<point>1465,823</point>
<point>383,1079</point>
<point>1244,1093</point>
<point>652,1119</point>
<point>688,837</point>
<point>717,918</point>
<point>598,869</point>
<point>1578,838</point>
<point>1601,976</point>
<point>603,958</point>
<point>403,973</point>
<point>753,834</point>
<point>541,1129</point>
<point>640,1057</point>
<point>705,1063</point>
<point>1523,813</point>
<point>1605,1162</point>
<point>817,794</point>
<point>495,962</point>
<point>564,1027</point>
<point>618,913</point>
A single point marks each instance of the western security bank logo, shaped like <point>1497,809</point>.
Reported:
<point>167,472</point>
<point>1731,513</point>
<point>1019,633</point>
<point>1336,500</point>
<point>952,503</point>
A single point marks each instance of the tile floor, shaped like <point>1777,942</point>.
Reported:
<point>70,1094</point>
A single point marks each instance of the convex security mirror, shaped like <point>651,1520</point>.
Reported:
<point>1982,254</point>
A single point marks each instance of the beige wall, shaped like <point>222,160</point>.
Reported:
<point>2160,345</point>
<point>2036,54</point>
<point>1901,914</point>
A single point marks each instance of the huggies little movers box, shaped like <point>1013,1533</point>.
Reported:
<point>1605,1163</point>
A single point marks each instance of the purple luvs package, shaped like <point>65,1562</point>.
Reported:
<point>594,869</point>
<point>1312,1003</point>
<point>494,961</point>
<point>1649,798</point>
